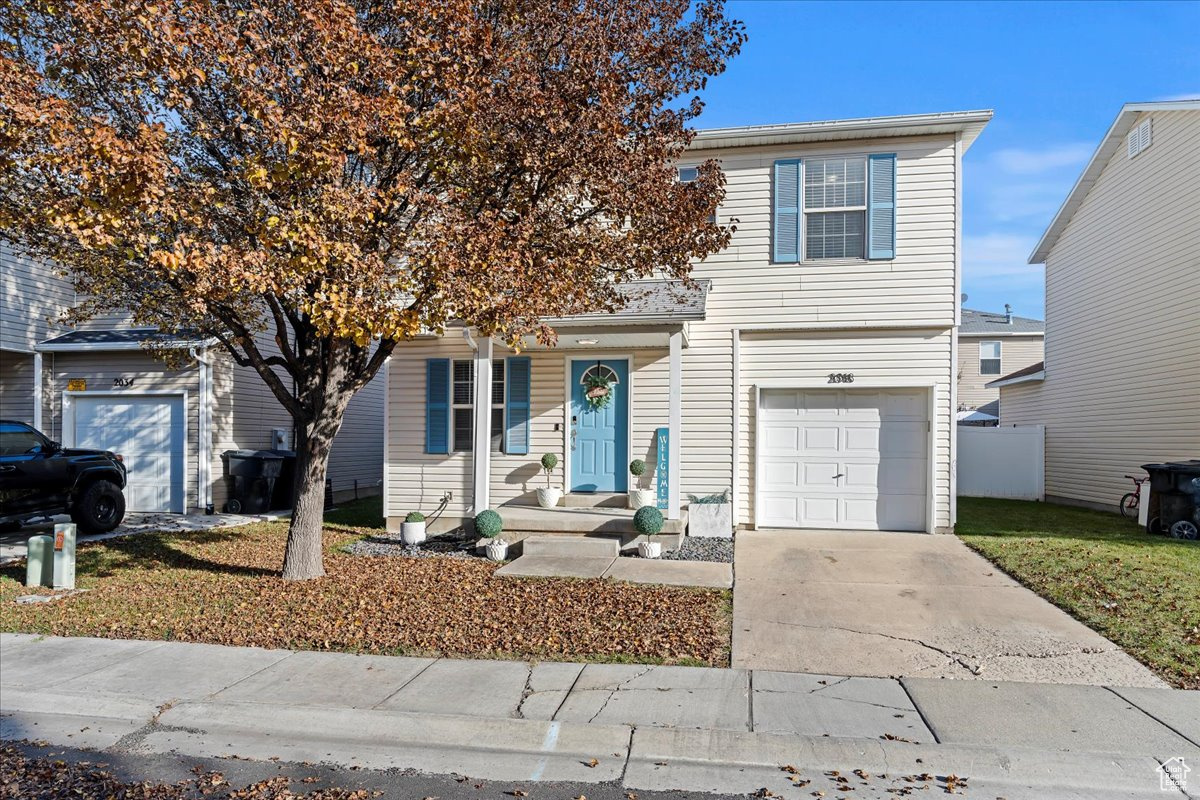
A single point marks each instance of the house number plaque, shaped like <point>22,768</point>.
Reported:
<point>841,377</point>
<point>122,382</point>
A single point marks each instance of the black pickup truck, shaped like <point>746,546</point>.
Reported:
<point>40,478</point>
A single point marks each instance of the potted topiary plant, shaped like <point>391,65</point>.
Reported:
<point>638,497</point>
<point>412,530</point>
<point>488,525</point>
<point>648,521</point>
<point>549,497</point>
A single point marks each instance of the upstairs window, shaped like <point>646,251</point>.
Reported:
<point>688,175</point>
<point>989,358</point>
<point>835,207</point>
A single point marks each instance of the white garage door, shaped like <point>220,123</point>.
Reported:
<point>855,459</point>
<point>149,431</point>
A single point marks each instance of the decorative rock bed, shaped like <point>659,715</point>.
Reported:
<point>449,545</point>
<point>702,549</point>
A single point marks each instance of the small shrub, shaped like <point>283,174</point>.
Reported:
<point>637,468</point>
<point>415,516</point>
<point>648,520</point>
<point>710,499</point>
<point>549,461</point>
<point>488,524</point>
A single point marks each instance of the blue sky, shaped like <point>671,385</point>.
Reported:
<point>1056,75</point>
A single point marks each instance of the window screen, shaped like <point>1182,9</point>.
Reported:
<point>835,207</point>
<point>989,358</point>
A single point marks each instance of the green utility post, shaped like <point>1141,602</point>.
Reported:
<point>64,555</point>
<point>39,561</point>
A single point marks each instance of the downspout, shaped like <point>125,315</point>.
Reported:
<point>204,429</point>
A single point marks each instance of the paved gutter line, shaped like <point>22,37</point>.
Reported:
<point>750,699</point>
<point>936,739</point>
<point>404,685</point>
<point>1166,725</point>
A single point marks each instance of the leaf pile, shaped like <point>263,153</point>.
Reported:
<point>45,779</point>
<point>223,587</point>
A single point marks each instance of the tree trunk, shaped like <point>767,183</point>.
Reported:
<point>303,557</point>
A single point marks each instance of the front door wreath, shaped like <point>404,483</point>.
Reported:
<point>597,389</point>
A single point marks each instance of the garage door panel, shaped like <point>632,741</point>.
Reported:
<point>843,458</point>
<point>861,439</point>
<point>819,512</point>
<point>150,434</point>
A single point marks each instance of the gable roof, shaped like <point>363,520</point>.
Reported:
<point>121,339</point>
<point>968,123</point>
<point>990,323</point>
<point>1111,142</point>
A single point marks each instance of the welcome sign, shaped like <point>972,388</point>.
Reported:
<point>663,439</point>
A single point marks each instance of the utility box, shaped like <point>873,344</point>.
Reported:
<point>64,555</point>
<point>39,561</point>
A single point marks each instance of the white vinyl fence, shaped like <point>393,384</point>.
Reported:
<point>1002,462</point>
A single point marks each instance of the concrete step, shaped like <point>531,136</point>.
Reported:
<point>606,520</point>
<point>595,500</point>
<point>571,546</point>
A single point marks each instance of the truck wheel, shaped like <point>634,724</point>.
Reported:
<point>99,508</point>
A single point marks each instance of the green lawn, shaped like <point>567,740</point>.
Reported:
<point>364,513</point>
<point>1141,591</point>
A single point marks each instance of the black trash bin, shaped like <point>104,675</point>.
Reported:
<point>1174,502</point>
<point>251,475</point>
<point>283,498</point>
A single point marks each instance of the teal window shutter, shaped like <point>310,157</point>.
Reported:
<point>437,405</point>
<point>881,206</point>
<point>516,411</point>
<point>785,233</point>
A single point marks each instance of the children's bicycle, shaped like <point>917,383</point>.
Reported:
<point>1131,500</point>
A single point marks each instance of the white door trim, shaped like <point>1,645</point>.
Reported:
<point>929,387</point>
<point>68,421</point>
<point>568,391</point>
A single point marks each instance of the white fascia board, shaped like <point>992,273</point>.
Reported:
<point>1030,378</point>
<point>968,123</point>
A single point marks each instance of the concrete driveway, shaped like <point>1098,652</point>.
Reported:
<point>905,605</point>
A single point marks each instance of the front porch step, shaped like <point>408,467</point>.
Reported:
<point>592,520</point>
<point>571,546</point>
<point>595,500</point>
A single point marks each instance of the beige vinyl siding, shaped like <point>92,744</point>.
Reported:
<point>1122,381</point>
<point>357,454</point>
<point>876,358</point>
<point>16,386</point>
<point>917,288</point>
<point>149,374</point>
<point>1016,352</point>
<point>32,296</point>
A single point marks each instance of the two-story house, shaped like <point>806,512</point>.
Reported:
<point>1120,386</point>
<point>97,386</point>
<point>810,370</point>
<point>990,345</point>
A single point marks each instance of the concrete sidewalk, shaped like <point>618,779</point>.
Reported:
<point>648,727</point>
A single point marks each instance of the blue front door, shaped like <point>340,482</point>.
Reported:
<point>599,436</point>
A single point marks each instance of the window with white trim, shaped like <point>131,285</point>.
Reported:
<point>989,358</point>
<point>835,207</point>
<point>462,401</point>
<point>688,175</point>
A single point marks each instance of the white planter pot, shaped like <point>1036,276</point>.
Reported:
<point>548,498</point>
<point>412,532</point>
<point>712,520</point>
<point>649,549</point>
<point>497,550</point>
<point>639,498</point>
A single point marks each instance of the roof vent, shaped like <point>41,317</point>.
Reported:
<point>1139,139</point>
<point>1007,314</point>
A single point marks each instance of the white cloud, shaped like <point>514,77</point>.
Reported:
<point>1000,256</point>
<point>1019,161</point>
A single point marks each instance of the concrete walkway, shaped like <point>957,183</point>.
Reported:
<point>646,727</point>
<point>900,604</point>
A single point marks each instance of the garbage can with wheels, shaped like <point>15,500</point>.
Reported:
<point>252,475</point>
<point>1174,502</point>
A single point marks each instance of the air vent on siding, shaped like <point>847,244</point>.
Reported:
<point>1139,139</point>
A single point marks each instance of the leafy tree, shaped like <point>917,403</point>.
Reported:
<point>312,182</point>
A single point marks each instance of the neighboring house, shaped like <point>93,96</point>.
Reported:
<point>98,386</point>
<point>810,368</point>
<point>1120,385</point>
<point>991,345</point>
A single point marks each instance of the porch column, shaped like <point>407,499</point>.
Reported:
<point>482,444</point>
<point>37,391</point>
<point>674,425</point>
